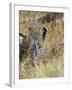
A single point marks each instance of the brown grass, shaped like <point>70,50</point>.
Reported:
<point>51,62</point>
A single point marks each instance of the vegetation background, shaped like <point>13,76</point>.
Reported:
<point>51,63</point>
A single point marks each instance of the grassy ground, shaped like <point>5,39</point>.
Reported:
<point>51,62</point>
<point>44,69</point>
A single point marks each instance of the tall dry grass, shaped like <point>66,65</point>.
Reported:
<point>51,62</point>
<point>49,69</point>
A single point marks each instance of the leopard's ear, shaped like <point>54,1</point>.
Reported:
<point>44,31</point>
